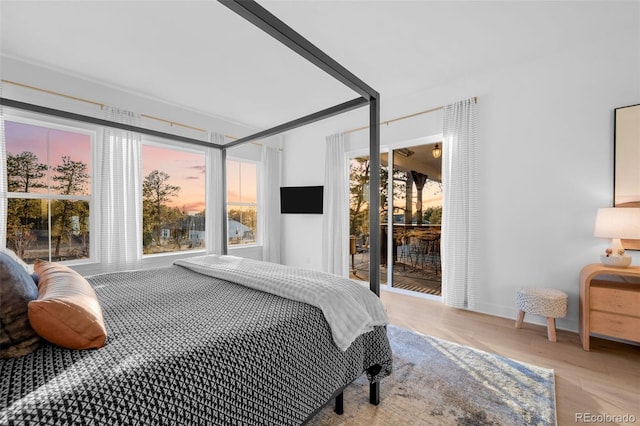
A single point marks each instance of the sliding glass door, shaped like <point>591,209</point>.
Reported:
<point>417,216</point>
<point>410,218</point>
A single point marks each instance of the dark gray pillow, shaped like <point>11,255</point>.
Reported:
<point>17,289</point>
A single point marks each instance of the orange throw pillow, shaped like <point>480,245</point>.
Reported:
<point>66,312</point>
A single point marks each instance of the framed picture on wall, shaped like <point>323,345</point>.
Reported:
<point>626,186</point>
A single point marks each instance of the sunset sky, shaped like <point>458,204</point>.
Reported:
<point>185,169</point>
<point>241,182</point>
<point>21,137</point>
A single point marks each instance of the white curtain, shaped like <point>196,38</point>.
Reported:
<point>335,224</point>
<point>120,194</point>
<point>214,212</point>
<point>270,193</point>
<point>460,205</point>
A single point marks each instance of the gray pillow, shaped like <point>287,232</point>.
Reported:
<point>17,289</point>
<point>14,256</point>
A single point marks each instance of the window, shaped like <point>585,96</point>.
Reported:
<point>173,199</point>
<point>242,208</point>
<point>49,202</point>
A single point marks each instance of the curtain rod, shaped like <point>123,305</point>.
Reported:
<point>393,120</point>
<point>101,122</point>
<point>102,105</point>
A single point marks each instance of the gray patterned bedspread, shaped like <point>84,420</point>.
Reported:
<point>349,308</point>
<point>189,349</point>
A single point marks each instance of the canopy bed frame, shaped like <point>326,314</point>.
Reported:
<point>261,18</point>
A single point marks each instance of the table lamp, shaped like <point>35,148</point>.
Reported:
<point>617,223</point>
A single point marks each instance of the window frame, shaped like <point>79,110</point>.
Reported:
<point>96,134</point>
<point>178,146</point>
<point>258,236</point>
<point>56,123</point>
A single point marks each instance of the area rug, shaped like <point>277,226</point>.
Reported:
<point>435,382</point>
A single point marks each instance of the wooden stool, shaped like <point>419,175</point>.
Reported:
<point>545,302</point>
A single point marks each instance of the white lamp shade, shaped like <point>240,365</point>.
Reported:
<point>620,222</point>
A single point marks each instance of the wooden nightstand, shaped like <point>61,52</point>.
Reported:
<point>609,308</point>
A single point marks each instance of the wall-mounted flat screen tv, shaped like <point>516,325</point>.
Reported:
<point>301,199</point>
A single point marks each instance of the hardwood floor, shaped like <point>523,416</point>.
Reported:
<point>605,380</point>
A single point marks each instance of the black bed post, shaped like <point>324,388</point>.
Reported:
<point>223,171</point>
<point>339,407</point>
<point>374,214</point>
<point>374,194</point>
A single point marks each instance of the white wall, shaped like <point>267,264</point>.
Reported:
<point>302,164</point>
<point>545,133</point>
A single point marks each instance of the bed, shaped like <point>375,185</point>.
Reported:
<point>185,346</point>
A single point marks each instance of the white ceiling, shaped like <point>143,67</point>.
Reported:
<point>200,55</point>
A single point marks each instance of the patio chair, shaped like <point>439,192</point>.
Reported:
<point>417,251</point>
<point>403,254</point>
<point>433,252</point>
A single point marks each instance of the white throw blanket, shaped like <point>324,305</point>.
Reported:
<point>349,308</point>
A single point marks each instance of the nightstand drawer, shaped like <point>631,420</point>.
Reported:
<point>621,326</point>
<point>615,297</point>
